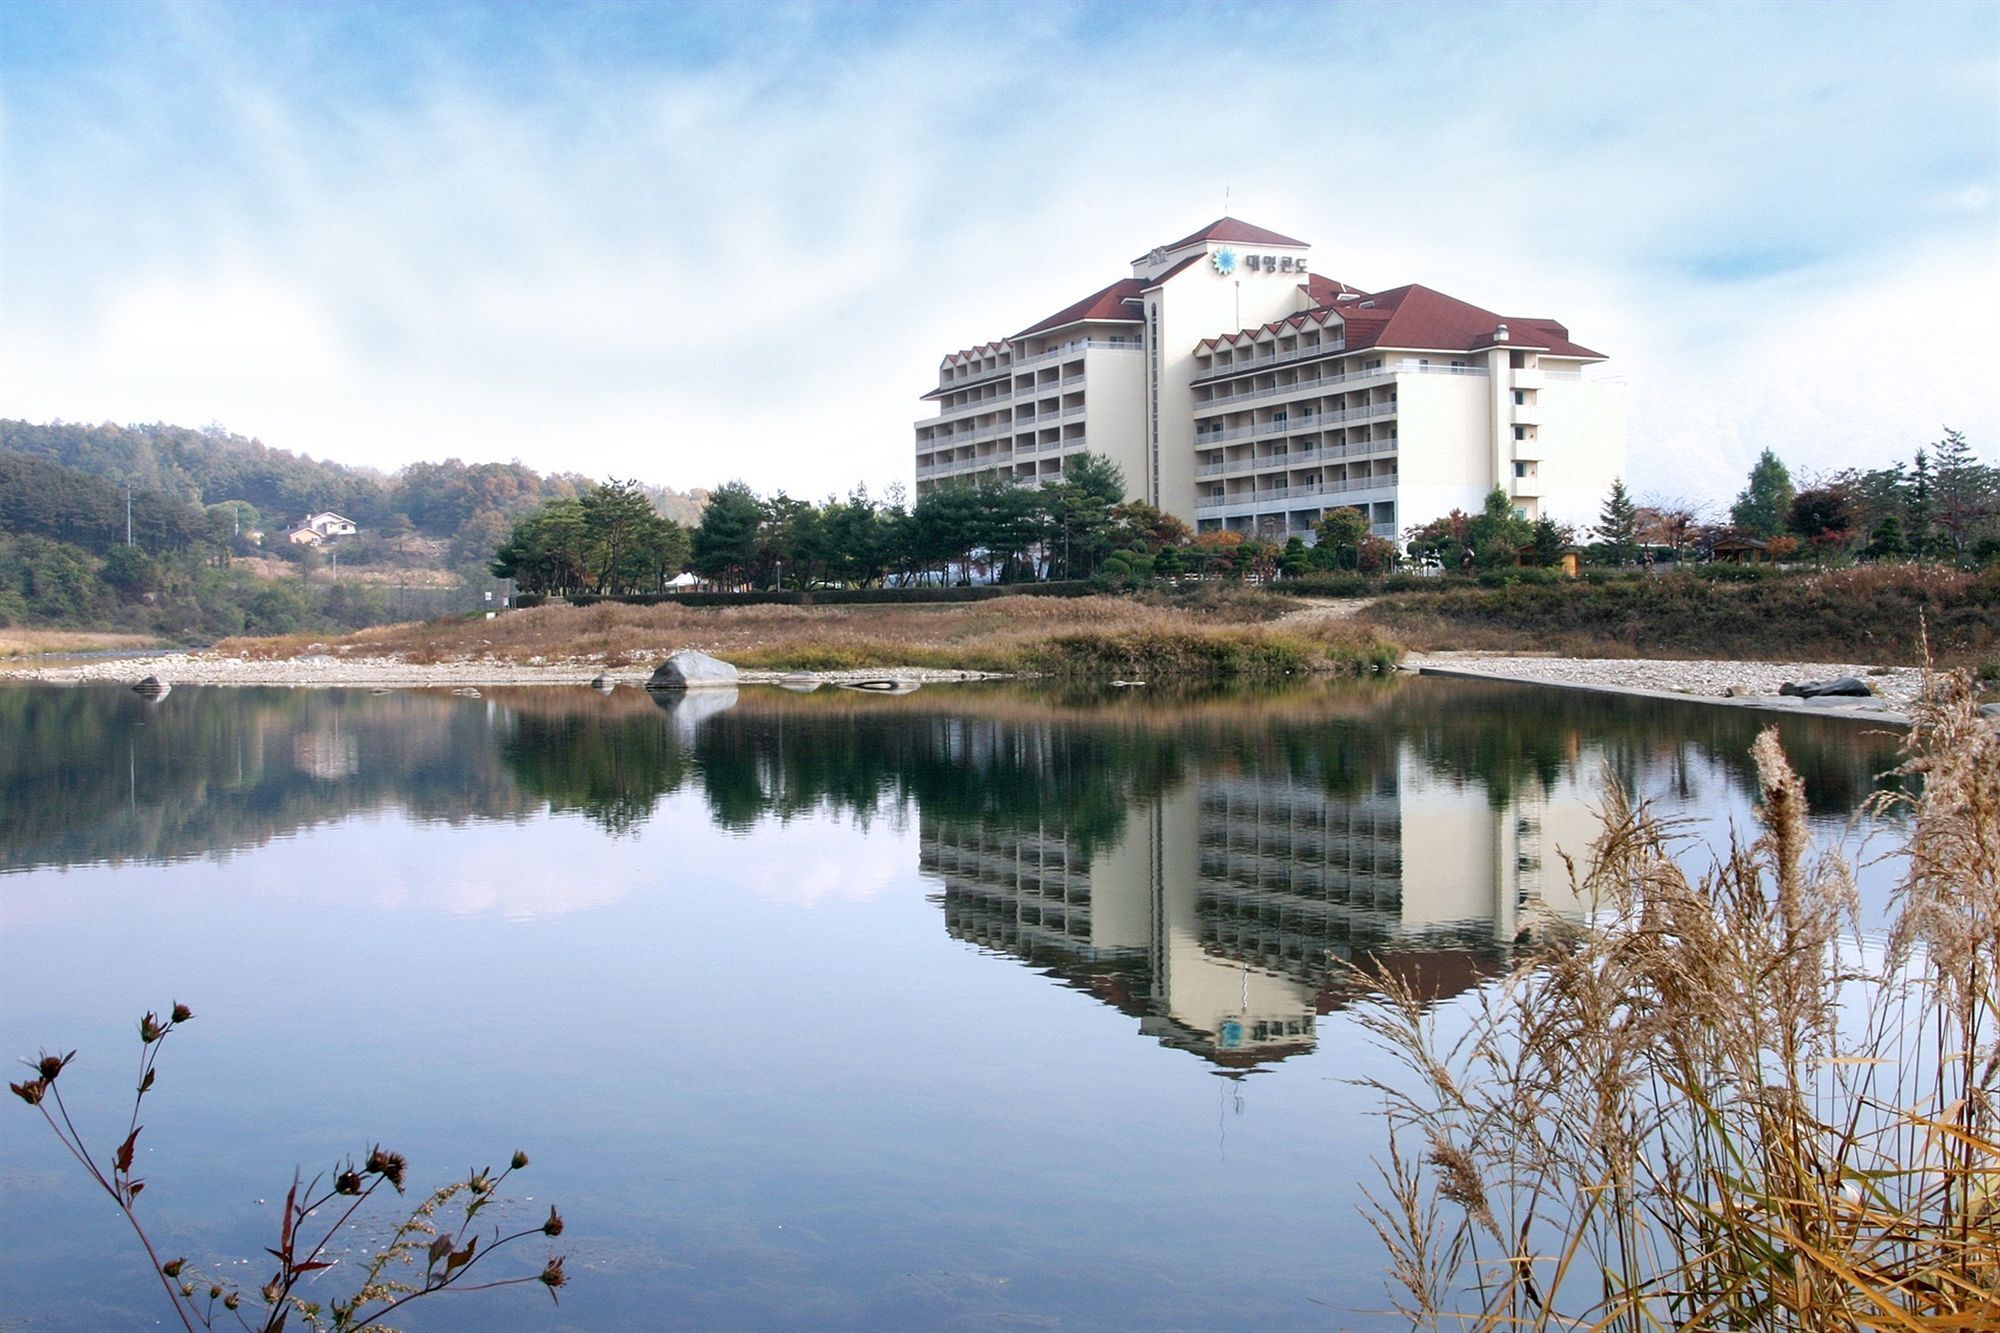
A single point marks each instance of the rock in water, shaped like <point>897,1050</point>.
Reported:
<point>1839,686</point>
<point>602,685</point>
<point>152,685</point>
<point>1736,691</point>
<point>690,670</point>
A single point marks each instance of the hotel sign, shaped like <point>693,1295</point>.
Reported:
<point>1228,263</point>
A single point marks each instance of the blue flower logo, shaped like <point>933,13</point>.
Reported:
<point>1224,261</point>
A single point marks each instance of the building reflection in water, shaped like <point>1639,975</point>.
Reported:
<point>1229,915</point>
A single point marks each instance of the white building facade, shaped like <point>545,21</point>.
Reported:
<point>1239,390</point>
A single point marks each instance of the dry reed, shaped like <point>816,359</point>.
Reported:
<point>1715,1104</point>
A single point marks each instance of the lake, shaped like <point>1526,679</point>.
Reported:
<point>983,1006</point>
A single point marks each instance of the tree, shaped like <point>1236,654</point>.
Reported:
<point>1888,542</point>
<point>1921,506</point>
<point>725,543</point>
<point>1548,542</point>
<point>1340,531</point>
<point>1499,535</point>
<point>620,521</point>
<point>1763,504</point>
<point>1618,524</point>
<point>1097,476</point>
<point>1968,493</point>
<point>1820,516</point>
<point>130,572</point>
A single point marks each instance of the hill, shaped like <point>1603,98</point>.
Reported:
<point>462,510</point>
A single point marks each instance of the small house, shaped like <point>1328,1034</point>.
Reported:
<point>1743,551</point>
<point>330,525</point>
<point>305,535</point>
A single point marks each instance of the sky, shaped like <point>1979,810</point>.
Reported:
<point>692,243</point>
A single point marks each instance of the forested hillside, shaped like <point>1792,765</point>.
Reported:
<point>467,507</point>
<point>195,568</point>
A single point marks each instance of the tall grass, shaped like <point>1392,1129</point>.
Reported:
<point>1714,1105</point>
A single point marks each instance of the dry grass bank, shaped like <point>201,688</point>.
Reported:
<point>1883,614</point>
<point>1097,636</point>
<point>35,642</point>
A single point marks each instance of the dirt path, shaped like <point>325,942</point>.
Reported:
<point>1319,610</point>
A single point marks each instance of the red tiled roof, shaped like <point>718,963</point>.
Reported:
<point>1421,319</point>
<point>1325,291</point>
<point>1107,305</point>
<point>1229,229</point>
<point>1417,318</point>
<point>970,352</point>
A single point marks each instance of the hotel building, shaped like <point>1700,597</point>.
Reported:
<point>1238,389</point>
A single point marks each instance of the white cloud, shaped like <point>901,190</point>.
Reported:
<point>748,264</point>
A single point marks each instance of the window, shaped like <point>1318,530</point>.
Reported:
<point>1520,469</point>
<point>1520,432</point>
<point>1520,397</point>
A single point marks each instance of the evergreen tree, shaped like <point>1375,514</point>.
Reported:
<point>1618,524</point>
<point>1763,504</point>
<point>1888,542</point>
<point>1098,477</point>
<point>1968,493</point>
<point>725,544</point>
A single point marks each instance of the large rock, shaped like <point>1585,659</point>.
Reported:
<point>690,670</point>
<point>1840,686</point>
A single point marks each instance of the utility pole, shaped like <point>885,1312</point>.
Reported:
<point>128,513</point>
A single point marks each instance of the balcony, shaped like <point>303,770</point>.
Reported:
<point>1296,458</point>
<point>1326,347</point>
<point>1211,506</point>
<point>1074,349</point>
<point>1299,426</point>
<point>1221,401</point>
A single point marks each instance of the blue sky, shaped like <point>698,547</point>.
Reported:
<point>694,242</point>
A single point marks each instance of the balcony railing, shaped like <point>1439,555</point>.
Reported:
<point>1273,358</point>
<point>1294,426</point>
<point>1320,490</point>
<point>1407,367</point>
<point>1081,345</point>
<point>1296,458</point>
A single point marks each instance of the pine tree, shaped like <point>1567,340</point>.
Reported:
<point>1968,492</point>
<point>1763,505</point>
<point>1618,523</point>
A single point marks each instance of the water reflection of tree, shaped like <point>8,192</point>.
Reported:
<point>90,774</point>
<point>101,775</point>
<point>1508,738</point>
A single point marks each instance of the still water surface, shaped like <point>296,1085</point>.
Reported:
<point>977,1007</point>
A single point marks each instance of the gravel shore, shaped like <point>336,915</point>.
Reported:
<point>328,670</point>
<point>1756,682</point>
